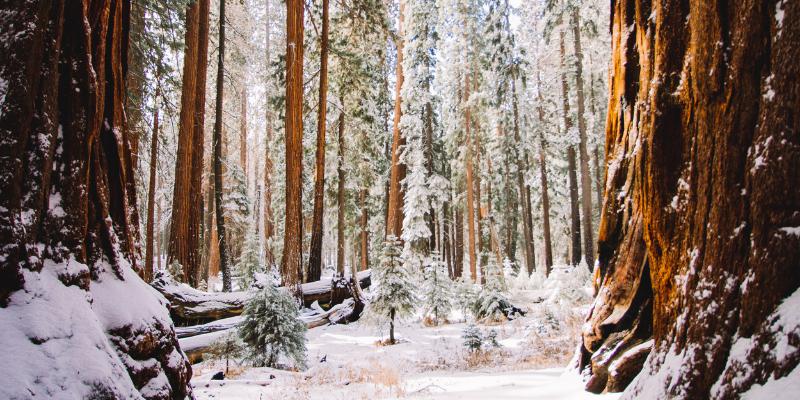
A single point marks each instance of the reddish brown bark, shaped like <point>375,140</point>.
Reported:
<point>394,219</point>
<point>471,223</point>
<point>292,259</point>
<point>269,224</point>
<point>151,192</point>
<point>543,181</point>
<point>68,212</point>
<point>340,204</point>
<point>702,140</point>
<point>314,270</point>
<point>187,196</point>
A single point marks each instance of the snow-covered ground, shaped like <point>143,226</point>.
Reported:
<point>347,361</point>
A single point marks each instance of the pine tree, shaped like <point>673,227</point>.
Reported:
<point>394,296</point>
<point>437,290</point>
<point>250,261</point>
<point>271,329</point>
<point>473,339</point>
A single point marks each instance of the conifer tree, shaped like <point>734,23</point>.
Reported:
<point>394,296</point>
<point>271,329</point>
<point>437,290</point>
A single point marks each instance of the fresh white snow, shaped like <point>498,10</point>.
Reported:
<point>431,362</point>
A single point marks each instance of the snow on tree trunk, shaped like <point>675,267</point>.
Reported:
<point>68,220</point>
<point>701,211</point>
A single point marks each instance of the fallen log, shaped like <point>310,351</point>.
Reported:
<point>189,306</point>
<point>195,346</point>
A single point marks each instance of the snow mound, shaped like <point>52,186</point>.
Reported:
<point>114,340</point>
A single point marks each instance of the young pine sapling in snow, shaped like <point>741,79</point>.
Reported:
<point>465,295</point>
<point>271,329</point>
<point>473,339</point>
<point>394,294</point>
<point>437,290</point>
<point>250,261</point>
<point>491,305</point>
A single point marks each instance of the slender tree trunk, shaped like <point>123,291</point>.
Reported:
<point>134,99</point>
<point>243,134</point>
<point>151,192</point>
<point>575,214</point>
<point>702,250</point>
<point>315,256</point>
<point>470,186</point>
<point>269,220</point>
<point>69,225</point>
<point>548,245</point>
<point>218,189</point>
<point>458,243</point>
<point>598,170</point>
<point>364,230</point>
<point>524,191</point>
<point>586,175</point>
<point>292,259</point>
<point>394,220</point>
<point>340,204</point>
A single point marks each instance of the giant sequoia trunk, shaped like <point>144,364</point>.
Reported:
<point>703,250</point>
<point>184,238</point>
<point>68,220</point>
<point>292,261</point>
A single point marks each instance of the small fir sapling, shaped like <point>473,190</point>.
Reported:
<point>394,296</point>
<point>437,290</point>
<point>250,260</point>
<point>473,339</point>
<point>465,295</point>
<point>491,304</point>
<point>175,269</point>
<point>271,329</point>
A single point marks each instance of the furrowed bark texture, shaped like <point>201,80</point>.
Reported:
<point>184,235</point>
<point>68,217</point>
<point>292,261</point>
<point>702,137</point>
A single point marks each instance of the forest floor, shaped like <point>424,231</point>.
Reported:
<point>348,361</point>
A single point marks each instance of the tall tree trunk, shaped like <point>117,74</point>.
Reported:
<point>340,239</point>
<point>292,259</point>
<point>394,219</point>
<point>134,99</point>
<point>598,170</point>
<point>187,195</point>
<point>196,192</point>
<point>548,245</point>
<point>458,243</point>
<point>69,224</point>
<point>243,133</point>
<point>702,250</point>
<point>575,214</point>
<point>364,230</point>
<point>524,191</point>
<point>151,192</point>
<point>219,210</point>
<point>586,175</point>
<point>269,219</point>
<point>473,259</point>
<point>315,255</point>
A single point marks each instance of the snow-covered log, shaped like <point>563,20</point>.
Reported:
<point>191,306</point>
<point>198,340</point>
